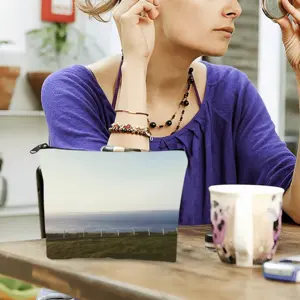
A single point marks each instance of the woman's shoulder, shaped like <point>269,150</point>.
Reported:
<point>230,89</point>
<point>75,90</point>
<point>73,85</point>
<point>68,78</point>
<point>97,78</point>
<point>225,75</point>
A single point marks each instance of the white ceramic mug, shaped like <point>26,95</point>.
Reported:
<point>246,222</point>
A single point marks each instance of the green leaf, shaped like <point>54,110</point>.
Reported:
<point>53,40</point>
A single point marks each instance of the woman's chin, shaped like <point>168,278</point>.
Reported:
<point>215,49</point>
<point>218,50</point>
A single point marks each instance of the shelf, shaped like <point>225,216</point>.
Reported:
<point>21,113</point>
<point>19,211</point>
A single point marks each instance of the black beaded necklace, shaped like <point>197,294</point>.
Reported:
<point>183,104</point>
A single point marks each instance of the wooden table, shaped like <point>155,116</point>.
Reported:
<point>198,274</point>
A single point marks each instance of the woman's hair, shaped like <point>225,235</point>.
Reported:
<point>95,10</point>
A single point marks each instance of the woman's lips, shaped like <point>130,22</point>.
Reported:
<point>226,31</point>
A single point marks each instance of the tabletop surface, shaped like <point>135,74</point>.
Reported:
<point>198,273</point>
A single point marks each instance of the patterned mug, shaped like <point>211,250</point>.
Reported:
<point>246,222</point>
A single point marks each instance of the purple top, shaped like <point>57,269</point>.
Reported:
<point>231,139</point>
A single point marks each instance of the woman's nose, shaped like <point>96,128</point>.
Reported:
<point>232,9</point>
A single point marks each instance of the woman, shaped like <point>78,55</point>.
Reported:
<point>221,122</point>
<point>212,112</point>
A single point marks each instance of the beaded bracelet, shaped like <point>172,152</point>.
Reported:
<point>118,149</point>
<point>127,128</point>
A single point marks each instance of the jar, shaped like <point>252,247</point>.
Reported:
<point>3,185</point>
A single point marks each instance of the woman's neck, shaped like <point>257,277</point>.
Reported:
<point>168,70</point>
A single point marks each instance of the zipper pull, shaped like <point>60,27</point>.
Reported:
<point>39,147</point>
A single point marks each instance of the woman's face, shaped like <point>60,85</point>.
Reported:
<point>195,24</point>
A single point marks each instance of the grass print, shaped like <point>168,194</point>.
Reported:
<point>140,245</point>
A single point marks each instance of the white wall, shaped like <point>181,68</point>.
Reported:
<point>272,71</point>
<point>17,17</point>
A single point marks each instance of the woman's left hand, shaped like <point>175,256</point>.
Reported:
<point>291,33</point>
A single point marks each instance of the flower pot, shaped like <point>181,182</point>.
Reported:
<point>10,61</point>
<point>36,80</point>
<point>8,79</point>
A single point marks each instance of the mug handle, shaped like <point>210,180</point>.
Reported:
<point>243,231</point>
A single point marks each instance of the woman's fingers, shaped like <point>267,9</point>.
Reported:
<point>286,29</point>
<point>134,20</point>
<point>124,6</point>
<point>292,9</point>
<point>144,6</point>
<point>296,3</point>
<point>288,26</point>
<point>141,10</point>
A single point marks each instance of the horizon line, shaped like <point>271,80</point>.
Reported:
<point>110,212</point>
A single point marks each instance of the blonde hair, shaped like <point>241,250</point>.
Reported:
<point>95,10</point>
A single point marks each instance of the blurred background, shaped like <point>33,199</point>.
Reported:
<point>33,44</point>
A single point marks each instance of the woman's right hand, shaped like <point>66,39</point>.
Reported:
<point>137,32</point>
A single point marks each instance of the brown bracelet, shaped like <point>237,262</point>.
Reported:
<point>132,113</point>
<point>127,128</point>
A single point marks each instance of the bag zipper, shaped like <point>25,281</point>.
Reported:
<point>45,146</point>
<point>39,147</point>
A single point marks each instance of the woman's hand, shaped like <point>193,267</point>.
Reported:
<point>291,33</point>
<point>134,19</point>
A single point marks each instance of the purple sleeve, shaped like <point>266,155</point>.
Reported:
<point>73,114</point>
<point>262,158</point>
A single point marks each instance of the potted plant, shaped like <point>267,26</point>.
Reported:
<point>57,45</point>
<point>14,289</point>
<point>10,60</point>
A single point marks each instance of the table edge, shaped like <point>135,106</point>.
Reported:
<point>108,287</point>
